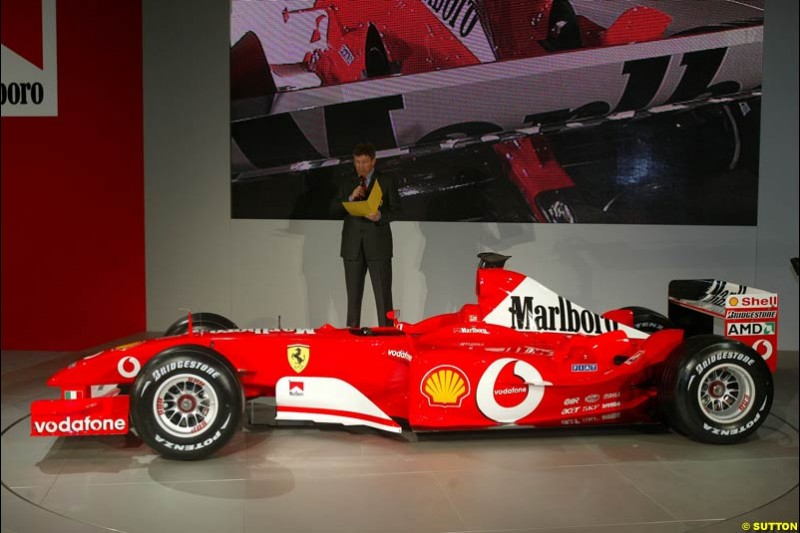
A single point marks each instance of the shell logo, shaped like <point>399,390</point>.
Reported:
<point>445,386</point>
<point>734,301</point>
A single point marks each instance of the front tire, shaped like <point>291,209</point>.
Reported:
<point>200,322</point>
<point>186,403</point>
<point>716,390</point>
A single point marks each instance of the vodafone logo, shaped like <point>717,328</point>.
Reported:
<point>79,426</point>
<point>763,347</point>
<point>28,59</point>
<point>128,367</point>
<point>533,389</point>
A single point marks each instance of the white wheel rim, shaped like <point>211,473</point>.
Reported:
<point>726,393</point>
<point>185,405</point>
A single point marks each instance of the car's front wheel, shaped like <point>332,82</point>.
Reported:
<point>200,322</point>
<point>186,403</point>
<point>716,390</point>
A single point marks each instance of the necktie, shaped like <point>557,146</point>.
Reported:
<point>364,185</point>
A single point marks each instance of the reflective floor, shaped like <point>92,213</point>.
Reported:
<point>307,478</point>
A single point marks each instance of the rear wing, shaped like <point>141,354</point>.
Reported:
<point>746,314</point>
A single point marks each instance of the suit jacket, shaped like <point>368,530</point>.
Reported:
<point>375,236</point>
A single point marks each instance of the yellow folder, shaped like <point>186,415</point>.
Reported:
<point>362,208</point>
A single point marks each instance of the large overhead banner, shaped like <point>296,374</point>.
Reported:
<point>569,111</point>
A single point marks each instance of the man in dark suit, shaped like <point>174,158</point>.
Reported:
<point>367,241</point>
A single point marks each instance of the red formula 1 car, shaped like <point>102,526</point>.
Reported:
<point>521,356</point>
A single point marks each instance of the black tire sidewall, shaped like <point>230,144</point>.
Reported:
<point>687,413</point>
<point>649,321</point>
<point>200,322</point>
<point>205,364</point>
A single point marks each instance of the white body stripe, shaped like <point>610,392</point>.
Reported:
<point>533,307</point>
<point>328,394</point>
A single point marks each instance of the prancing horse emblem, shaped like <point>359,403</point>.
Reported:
<point>298,355</point>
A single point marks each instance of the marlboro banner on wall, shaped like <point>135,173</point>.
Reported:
<point>29,59</point>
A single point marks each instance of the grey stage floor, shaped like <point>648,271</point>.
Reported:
<point>323,479</point>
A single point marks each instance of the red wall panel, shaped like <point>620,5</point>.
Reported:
<point>73,272</point>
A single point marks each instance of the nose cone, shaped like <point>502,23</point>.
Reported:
<point>61,377</point>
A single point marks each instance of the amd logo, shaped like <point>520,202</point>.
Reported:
<point>751,328</point>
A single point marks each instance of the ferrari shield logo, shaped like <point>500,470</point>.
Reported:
<point>298,355</point>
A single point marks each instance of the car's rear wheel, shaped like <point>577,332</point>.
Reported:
<point>649,321</point>
<point>564,31</point>
<point>376,60</point>
<point>200,322</point>
<point>716,390</point>
<point>186,403</point>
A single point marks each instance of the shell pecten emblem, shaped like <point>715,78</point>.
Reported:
<point>298,355</point>
<point>445,386</point>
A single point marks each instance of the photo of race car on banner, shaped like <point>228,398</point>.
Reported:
<point>570,111</point>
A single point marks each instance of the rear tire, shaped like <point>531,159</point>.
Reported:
<point>186,403</point>
<point>716,390</point>
<point>649,321</point>
<point>564,31</point>
<point>376,60</point>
